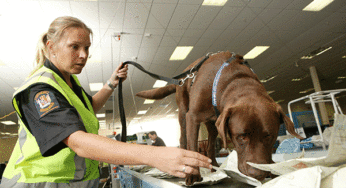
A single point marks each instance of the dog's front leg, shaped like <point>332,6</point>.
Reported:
<point>192,129</point>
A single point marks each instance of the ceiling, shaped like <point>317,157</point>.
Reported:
<point>150,30</point>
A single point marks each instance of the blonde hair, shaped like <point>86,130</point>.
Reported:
<point>55,32</point>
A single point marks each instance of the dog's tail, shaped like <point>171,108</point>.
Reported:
<point>158,93</point>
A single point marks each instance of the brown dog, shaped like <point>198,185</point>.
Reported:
<point>247,113</point>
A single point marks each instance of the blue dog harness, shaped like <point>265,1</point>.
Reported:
<point>216,81</point>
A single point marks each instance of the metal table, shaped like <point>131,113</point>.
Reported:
<point>131,179</point>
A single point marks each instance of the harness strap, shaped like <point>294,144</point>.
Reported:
<point>173,80</point>
<point>215,83</point>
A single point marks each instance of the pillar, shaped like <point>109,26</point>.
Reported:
<point>317,87</point>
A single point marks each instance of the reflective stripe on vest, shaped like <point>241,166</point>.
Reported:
<point>27,165</point>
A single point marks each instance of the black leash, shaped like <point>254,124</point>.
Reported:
<point>173,80</point>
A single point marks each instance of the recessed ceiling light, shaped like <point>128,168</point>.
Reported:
<point>8,122</point>
<point>100,115</point>
<point>159,83</point>
<point>308,90</point>
<point>214,2</point>
<point>142,112</point>
<point>256,51</point>
<point>317,5</point>
<point>281,100</point>
<point>317,52</point>
<point>180,53</point>
<point>95,86</point>
<point>177,110</point>
<point>268,79</point>
<point>149,101</point>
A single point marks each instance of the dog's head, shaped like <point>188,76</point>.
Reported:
<point>253,129</point>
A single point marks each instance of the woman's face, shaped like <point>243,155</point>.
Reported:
<point>72,51</point>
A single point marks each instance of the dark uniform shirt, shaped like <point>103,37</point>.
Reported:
<point>52,126</point>
<point>159,142</point>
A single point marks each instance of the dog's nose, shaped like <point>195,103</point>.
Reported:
<point>256,173</point>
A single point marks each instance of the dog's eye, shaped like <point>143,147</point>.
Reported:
<point>268,136</point>
<point>243,137</point>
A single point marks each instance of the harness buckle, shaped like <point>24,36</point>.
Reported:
<point>188,76</point>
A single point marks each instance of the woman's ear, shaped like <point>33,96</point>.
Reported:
<point>50,48</point>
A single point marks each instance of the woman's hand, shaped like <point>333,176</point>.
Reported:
<point>120,72</point>
<point>178,162</point>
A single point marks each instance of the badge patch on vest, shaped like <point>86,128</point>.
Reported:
<point>45,102</point>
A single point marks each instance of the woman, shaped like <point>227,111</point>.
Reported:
<point>58,143</point>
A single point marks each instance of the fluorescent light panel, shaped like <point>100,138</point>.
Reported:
<point>8,122</point>
<point>214,2</point>
<point>95,86</point>
<point>100,115</point>
<point>256,51</point>
<point>317,5</point>
<point>180,53</point>
<point>149,101</point>
<point>142,112</point>
<point>324,51</point>
<point>159,83</point>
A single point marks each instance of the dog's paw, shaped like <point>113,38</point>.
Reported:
<point>191,179</point>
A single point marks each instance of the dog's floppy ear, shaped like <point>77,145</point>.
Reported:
<point>288,123</point>
<point>221,124</point>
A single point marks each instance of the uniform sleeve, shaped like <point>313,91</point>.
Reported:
<point>49,117</point>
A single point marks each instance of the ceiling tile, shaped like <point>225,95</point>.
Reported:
<point>164,53</point>
<point>152,42</point>
<point>212,33</point>
<point>268,14</point>
<point>175,32</point>
<point>276,4</point>
<point>298,4</point>
<point>131,40</point>
<point>160,15</point>
<point>87,12</point>
<point>235,3</point>
<point>182,16</point>
<point>168,41</point>
<point>136,15</point>
<point>128,53</point>
<point>146,54</point>
<point>242,20</point>
<point>191,2</point>
<point>279,21</point>
<point>225,17</point>
<point>166,1</point>
<point>188,41</point>
<point>259,3</point>
<point>193,33</point>
<point>204,16</point>
<point>111,14</point>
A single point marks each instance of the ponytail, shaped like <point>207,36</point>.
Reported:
<point>41,53</point>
